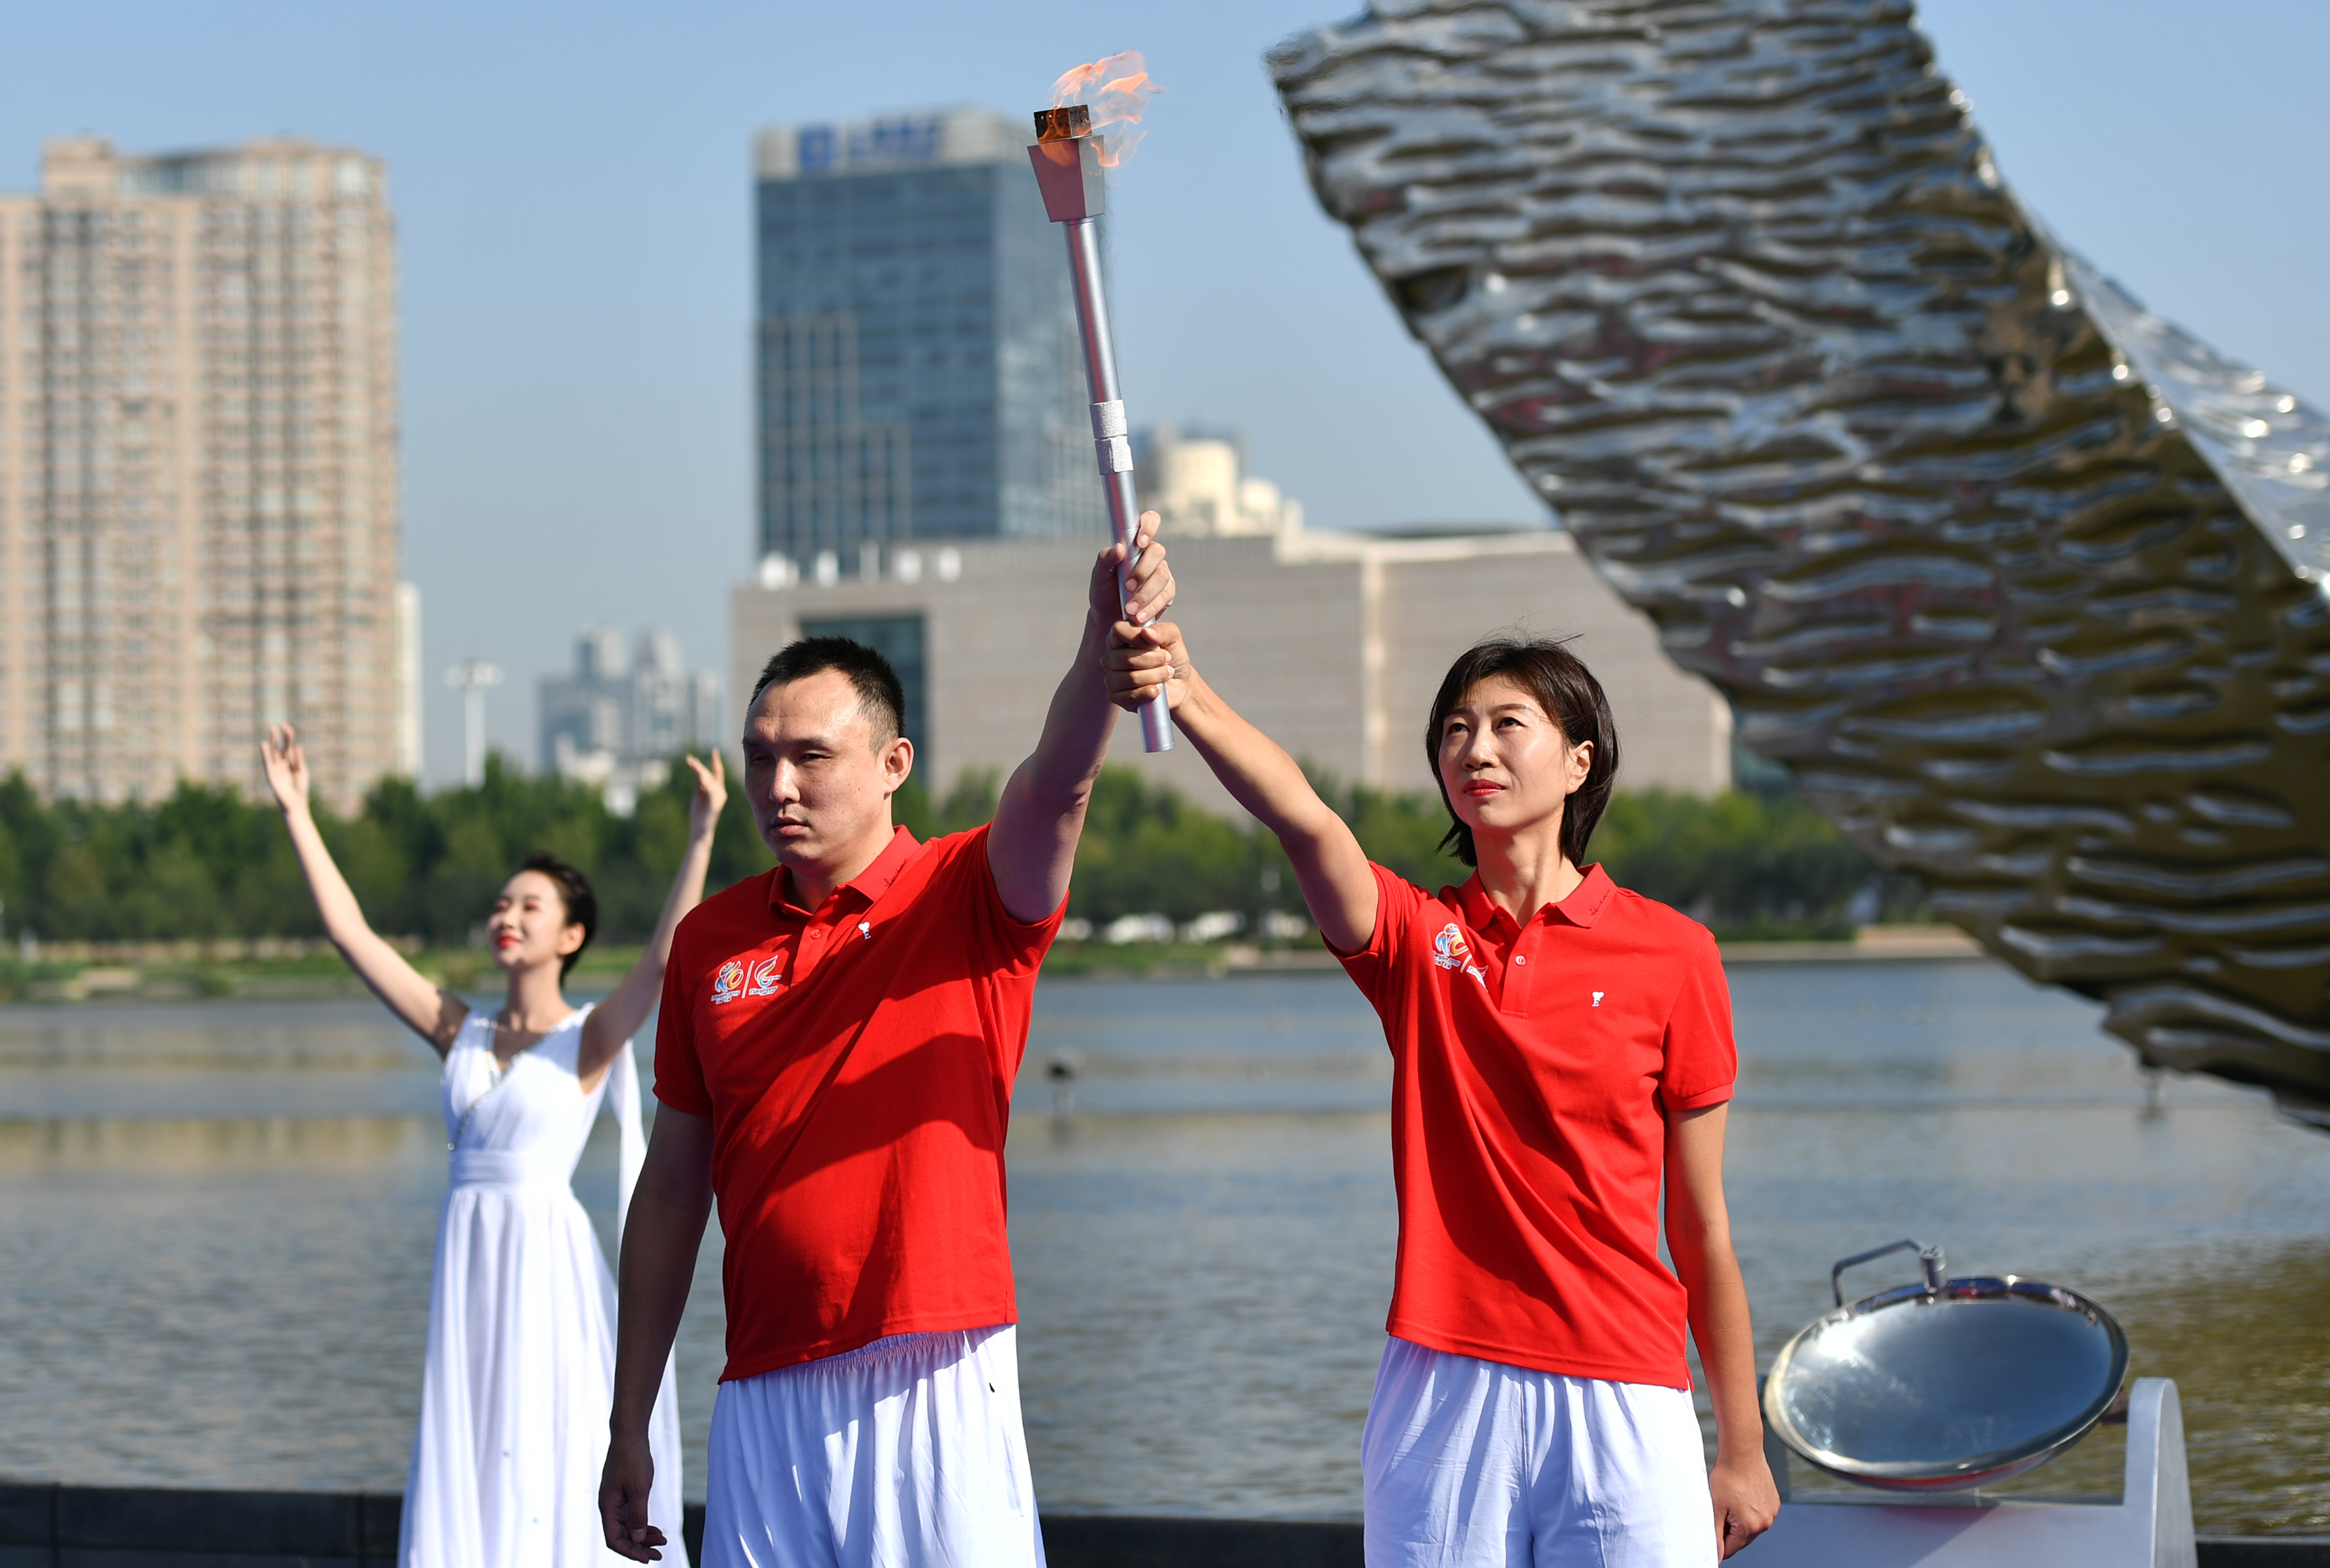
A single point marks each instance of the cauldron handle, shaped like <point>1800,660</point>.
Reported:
<point>1930,1262</point>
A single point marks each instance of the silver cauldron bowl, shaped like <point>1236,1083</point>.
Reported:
<point>1945,1383</point>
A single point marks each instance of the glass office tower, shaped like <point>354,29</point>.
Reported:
<point>919,374</point>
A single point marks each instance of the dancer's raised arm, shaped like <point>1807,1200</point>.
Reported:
<point>433,1013</point>
<point>1337,883</point>
<point>627,1006</point>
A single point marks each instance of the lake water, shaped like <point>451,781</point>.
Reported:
<point>216,1222</point>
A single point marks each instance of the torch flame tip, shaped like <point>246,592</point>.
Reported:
<point>1112,93</point>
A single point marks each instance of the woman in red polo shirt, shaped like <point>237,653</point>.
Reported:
<point>1561,1046</point>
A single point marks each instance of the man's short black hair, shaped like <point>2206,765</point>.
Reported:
<point>879,695</point>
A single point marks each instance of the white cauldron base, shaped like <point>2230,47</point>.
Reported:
<point>2149,1525</point>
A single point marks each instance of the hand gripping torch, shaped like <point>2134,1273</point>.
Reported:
<point>1075,190</point>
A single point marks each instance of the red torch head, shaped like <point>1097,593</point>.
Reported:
<point>1094,125</point>
<point>1067,164</point>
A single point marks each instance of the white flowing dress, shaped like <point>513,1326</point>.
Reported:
<point>521,1363</point>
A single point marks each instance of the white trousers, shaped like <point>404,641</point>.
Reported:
<point>907,1453</point>
<point>1476,1464</point>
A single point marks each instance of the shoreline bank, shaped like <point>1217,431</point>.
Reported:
<point>301,969</point>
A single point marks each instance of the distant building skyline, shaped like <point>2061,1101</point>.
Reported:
<point>618,718</point>
<point>198,487</point>
<point>918,370</point>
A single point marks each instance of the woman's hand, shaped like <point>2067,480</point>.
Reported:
<point>1139,659</point>
<point>710,795</point>
<point>1745,1500</point>
<point>286,768</point>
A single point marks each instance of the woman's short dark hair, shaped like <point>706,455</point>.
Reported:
<point>574,892</point>
<point>1571,697</point>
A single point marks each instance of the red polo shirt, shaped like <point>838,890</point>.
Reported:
<point>1532,1066</point>
<point>857,1062</point>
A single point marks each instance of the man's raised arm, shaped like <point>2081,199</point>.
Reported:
<point>1032,847</point>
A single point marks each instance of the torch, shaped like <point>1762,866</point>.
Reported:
<point>1069,168</point>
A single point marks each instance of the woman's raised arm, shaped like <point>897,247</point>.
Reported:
<point>627,1006</point>
<point>434,1014</point>
<point>1336,881</point>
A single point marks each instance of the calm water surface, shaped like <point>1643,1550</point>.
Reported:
<point>216,1222</point>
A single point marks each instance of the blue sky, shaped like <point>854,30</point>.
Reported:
<point>573,189</point>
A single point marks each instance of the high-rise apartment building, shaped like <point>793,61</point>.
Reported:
<point>198,499</point>
<point>918,362</point>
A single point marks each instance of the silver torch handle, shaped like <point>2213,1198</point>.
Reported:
<point>1111,438</point>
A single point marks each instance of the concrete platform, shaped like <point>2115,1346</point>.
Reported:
<point>47,1525</point>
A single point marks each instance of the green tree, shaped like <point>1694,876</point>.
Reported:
<point>1146,850</point>
<point>203,862</point>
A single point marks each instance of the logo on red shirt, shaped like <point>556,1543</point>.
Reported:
<point>1449,951</point>
<point>741,977</point>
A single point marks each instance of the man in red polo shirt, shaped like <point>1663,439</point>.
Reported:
<point>834,1061</point>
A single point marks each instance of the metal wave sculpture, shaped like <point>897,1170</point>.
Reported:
<point>2025,585</point>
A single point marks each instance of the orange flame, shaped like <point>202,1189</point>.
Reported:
<point>1117,89</point>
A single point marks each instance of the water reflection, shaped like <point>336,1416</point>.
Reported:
<point>216,1220</point>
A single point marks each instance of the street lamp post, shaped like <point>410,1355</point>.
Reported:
<point>472,678</point>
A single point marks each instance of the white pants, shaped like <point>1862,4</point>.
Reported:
<point>904,1454</point>
<point>1476,1464</point>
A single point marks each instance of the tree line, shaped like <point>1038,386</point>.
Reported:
<point>205,863</point>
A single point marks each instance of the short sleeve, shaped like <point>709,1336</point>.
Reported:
<point>1702,1062</point>
<point>1397,902</point>
<point>678,1071</point>
<point>1014,944</point>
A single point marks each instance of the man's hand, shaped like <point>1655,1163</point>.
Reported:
<point>1149,587</point>
<point>623,1499</point>
<point>660,1236</point>
<point>1745,1500</point>
<point>1139,659</point>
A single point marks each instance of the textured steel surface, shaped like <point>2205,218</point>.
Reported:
<point>2023,583</point>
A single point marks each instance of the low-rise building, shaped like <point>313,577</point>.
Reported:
<point>1333,643</point>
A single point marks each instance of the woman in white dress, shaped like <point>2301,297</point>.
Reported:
<point>519,1376</point>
